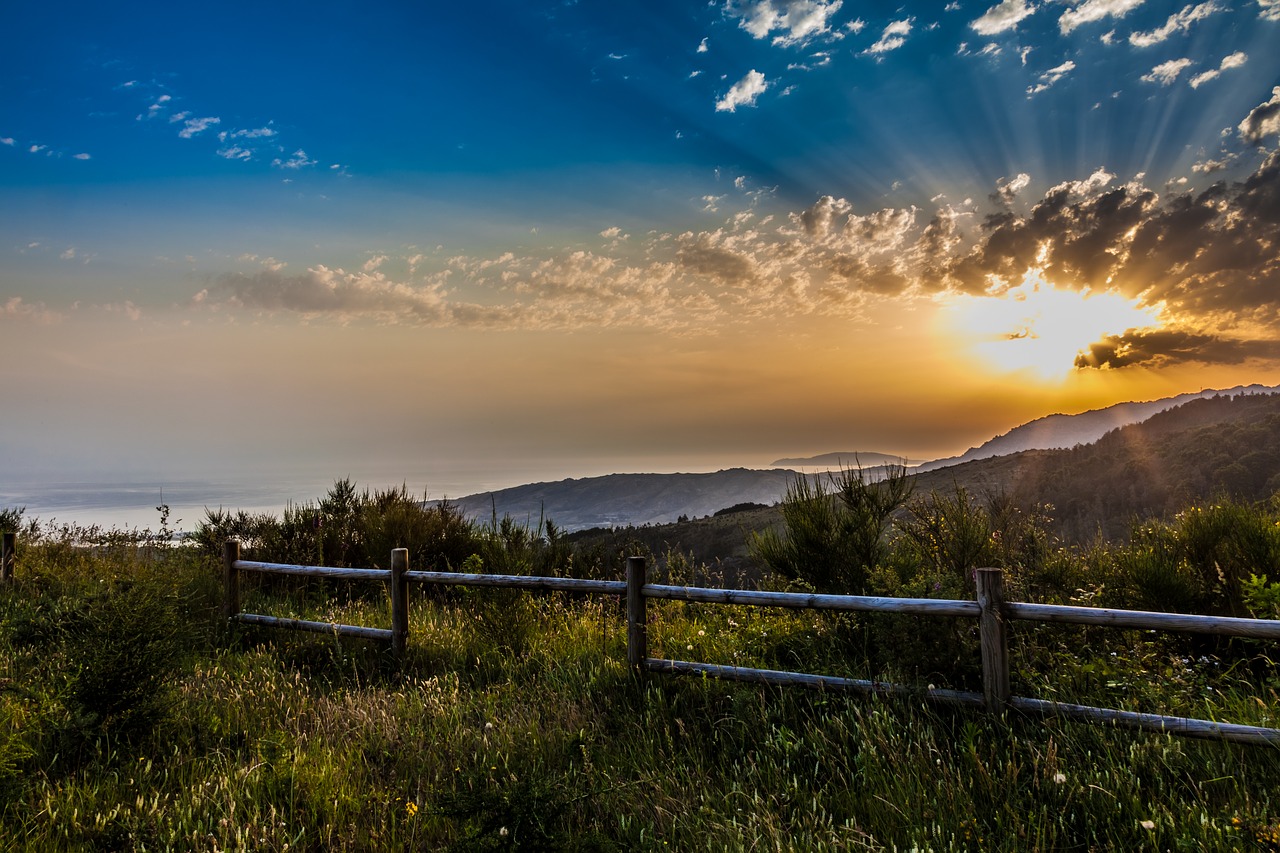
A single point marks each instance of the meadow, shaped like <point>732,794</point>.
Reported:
<point>133,718</point>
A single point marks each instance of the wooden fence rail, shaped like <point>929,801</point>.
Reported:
<point>991,610</point>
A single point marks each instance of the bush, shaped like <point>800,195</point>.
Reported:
<point>833,540</point>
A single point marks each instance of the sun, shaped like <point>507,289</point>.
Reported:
<point>1037,329</point>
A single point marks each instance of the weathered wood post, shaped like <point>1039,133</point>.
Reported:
<point>637,629</point>
<point>230,579</point>
<point>995,643</point>
<point>399,601</point>
<point>7,558</point>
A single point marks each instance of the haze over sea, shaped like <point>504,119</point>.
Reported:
<point>132,503</point>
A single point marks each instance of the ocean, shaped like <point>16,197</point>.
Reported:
<point>132,504</point>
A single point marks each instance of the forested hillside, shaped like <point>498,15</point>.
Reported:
<point>1227,446</point>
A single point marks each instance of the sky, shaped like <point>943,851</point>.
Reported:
<point>465,245</point>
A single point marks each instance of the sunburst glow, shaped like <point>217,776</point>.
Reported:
<point>1037,329</point>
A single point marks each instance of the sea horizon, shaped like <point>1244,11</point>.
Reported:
<point>132,503</point>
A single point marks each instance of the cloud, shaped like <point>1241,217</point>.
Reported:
<point>1208,167</point>
<point>1002,17</point>
<point>299,160</point>
<point>7,140</point>
<point>893,37</point>
<point>1053,75</point>
<point>702,45</point>
<point>1262,121</point>
<point>195,126</point>
<point>1166,72</point>
<point>1178,22</point>
<point>1235,60</point>
<point>1095,10</point>
<point>743,93</point>
<point>1155,348</point>
<point>797,21</point>
<point>1007,189</point>
<point>322,291</point>
<point>16,309</point>
<point>249,133</point>
<point>1269,10</point>
<point>1206,260</point>
<point>81,156</point>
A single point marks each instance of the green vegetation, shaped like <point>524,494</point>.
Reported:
<point>132,718</point>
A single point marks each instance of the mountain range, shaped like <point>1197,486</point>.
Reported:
<point>621,500</point>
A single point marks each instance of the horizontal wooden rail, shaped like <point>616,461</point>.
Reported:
<point>1260,629</point>
<point>313,571</point>
<point>519,582</point>
<point>317,627</point>
<point>1186,726</point>
<point>802,600</point>
<point>785,678</point>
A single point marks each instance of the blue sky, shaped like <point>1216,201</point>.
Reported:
<point>764,228</point>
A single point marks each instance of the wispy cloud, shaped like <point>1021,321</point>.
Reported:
<point>795,21</point>
<point>1269,10</point>
<point>1167,72</point>
<point>1178,22</point>
<point>1235,60</point>
<point>195,126</point>
<point>743,93</point>
<point>1002,17</point>
<point>298,160</point>
<point>16,309</point>
<point>1052,76</point>
<point>1091,11</point>
<point>893,37</point>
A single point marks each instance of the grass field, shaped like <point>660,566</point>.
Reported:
<point>131,718</point>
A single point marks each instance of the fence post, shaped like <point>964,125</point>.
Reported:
<point>995,643</point>
<point>7,558</point>
<point>230,579</point>
<point>399,601</point>
<point>637,630</point>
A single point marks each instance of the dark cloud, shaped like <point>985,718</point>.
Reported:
<point>335,293</point>
<point>1211,258</point>
<point>707,254</point>
<point>1164,347</point>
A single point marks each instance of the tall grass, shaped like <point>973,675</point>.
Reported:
<point>512,723</point>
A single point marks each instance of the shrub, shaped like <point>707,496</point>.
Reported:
<point>833,540</point>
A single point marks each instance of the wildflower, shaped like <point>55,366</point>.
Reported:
<point>503,832</point>
<point>1147,824</point>
<point>1059,777</point>
<point>689,648</point>
<point>410,808</point>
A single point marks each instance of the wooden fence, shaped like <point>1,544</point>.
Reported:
<point>991,609</point>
